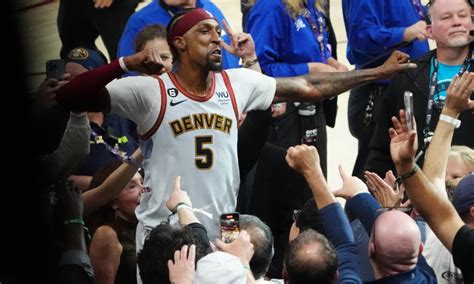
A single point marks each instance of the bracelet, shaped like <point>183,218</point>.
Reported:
<point>246,266</point>
<point>122,65</point>
<point>132,161</point>
<point>175,209</point>
<point>249,63</point>
<point>451,120</point>
<point>181,206</point>
<point>409,174</point>
<point>74,221</point>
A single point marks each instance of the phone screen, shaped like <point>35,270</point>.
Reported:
<point>229,227</point>
<point>55,69</point>
<point>408,100</point>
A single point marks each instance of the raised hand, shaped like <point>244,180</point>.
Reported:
<point>182,269</point>
<point>46,92</point>
<point>396,63</point>
<point>403,142</point>
<point>241,44</point>
<point>240,247</point>
<point>384,192</point>
<point>303,159</point>
<point>458,97</point>
<point>177,195</point>
<point>350,185</point>
<point>148,61</point>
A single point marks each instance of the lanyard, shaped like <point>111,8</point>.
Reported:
<point>119,154</point>
<point>433,89</point>
<point>318,29</point>
<point>419,9</point>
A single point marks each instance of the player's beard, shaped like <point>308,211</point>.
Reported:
<point>213,66</point>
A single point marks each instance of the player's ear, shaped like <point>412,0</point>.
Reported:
<point>180,43</point>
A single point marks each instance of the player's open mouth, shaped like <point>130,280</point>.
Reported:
<point>216,53</point>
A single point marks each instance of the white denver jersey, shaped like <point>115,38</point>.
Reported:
<point>193,137</point>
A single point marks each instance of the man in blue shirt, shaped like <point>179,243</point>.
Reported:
<point>373,28</point>
<point>161,12</point>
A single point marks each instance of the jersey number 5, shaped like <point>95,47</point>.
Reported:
<point>204,156</point>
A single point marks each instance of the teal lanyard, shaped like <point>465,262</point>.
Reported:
<point>434,88</point>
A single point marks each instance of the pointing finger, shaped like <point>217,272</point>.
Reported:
<point>227,28</point>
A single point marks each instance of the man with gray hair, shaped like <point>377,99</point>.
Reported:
<point>450,26</point>
<point>262,240</point>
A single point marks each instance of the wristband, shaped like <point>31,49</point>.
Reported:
<point>451,120</point>
<point>409,174</point>
<point>122,65</point>
<point>183,205</point>
<point>175,209</point>
<point>249,63</point>
<point>74,221</point>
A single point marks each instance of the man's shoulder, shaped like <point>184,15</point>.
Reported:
<point>415,275</point>
<point>426,57</point>
<point>243,74</point>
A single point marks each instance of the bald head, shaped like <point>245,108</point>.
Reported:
<point>395,242</point>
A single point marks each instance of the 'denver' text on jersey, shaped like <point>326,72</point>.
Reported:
<point>201,121</point>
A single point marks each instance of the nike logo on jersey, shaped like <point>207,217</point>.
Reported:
<point>173,103</point>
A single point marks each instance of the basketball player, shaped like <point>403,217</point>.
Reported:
<point>187,118</point>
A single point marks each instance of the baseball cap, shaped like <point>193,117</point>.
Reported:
<point>88,58</point>
<point>463,197</point>
<point>220,267</point>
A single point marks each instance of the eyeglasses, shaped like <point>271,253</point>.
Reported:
<point>296,214</point>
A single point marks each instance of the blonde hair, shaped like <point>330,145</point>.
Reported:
<point>295,7</point>
<point>463,153</point>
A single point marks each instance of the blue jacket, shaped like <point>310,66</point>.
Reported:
<point>374,26</point>
<point>153,13</point>
<point>338,231</point>
<point>364,206</point>
<point>284,45</point>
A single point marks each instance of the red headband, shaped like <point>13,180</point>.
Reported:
<point>186,22</point>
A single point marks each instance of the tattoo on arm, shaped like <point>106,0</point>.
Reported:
<point>320,86</point>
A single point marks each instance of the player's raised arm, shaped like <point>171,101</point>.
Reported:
<point>320,86</point>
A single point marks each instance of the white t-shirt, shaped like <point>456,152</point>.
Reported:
<point>440,259</point>
<point>193,137</point>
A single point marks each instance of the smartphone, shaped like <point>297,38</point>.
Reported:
<point>55,69</point>
<point>230,227</point>
<point>408,99</point>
